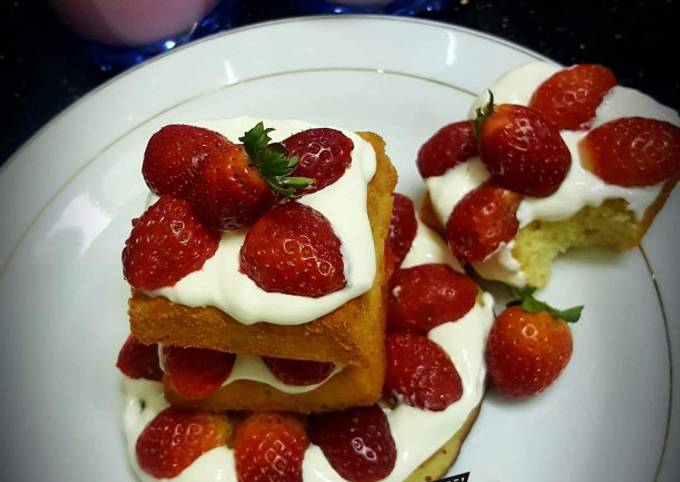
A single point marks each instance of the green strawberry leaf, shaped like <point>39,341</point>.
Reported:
<point>525,299</point>
<point>483,113</point>
<point>272,162</point>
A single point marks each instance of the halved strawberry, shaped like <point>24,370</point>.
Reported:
<point>229,192</point>
<point>173,440</point>
<point>420,373</point>
<point>236,184</point>
<point>166,243</point>
<point>196,373</point>
<point>324,155</point>
<point>632,151</point>
<point>428,295</point>
<point>298,372</point>
<point>529,345</point>
<point>357,442</point>
<point>403,227</point>
<point>481,221</point>
<point>521,149</point>
<point>137,360</point>
<point>270,447</point>
<point>570,97</point>
<point>173,155</point>
<point>292,249</point>
<point>451,145</point>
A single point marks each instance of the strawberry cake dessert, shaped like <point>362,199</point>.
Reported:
<point>551,158</point>
<point>291,318</point>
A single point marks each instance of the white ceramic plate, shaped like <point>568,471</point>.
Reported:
<point>69,194</point>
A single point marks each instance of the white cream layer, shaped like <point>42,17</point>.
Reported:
<point>417,433</point>
<point>253,368</point>
<point>580,188</point>
<point>220,283</point>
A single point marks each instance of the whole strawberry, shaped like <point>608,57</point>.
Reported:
<point>324,155</point>
<point>175,438</point>
<point>298,372</point>
<point>293,249</point>
<point>137,360</point>
<point>270,447</point>
<point>195,373</point>
<point>403,228</point>
<point>570,98</point>
<point>428,295</point>
<point>420,373</point>
<point>173,156</point>
<point>357,442</point>
<point>481,221</point>
<point>632,151</point>
<point>166,243</point>
<point>529,345</point>
<point>450,146</point>
<point>236,184</point>
<point>521,149</point>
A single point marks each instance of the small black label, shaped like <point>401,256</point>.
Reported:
<point>456,478</point>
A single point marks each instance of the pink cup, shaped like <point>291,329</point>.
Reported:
<point>131,22</point>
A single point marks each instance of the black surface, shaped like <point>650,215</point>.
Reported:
<point>43,67</point>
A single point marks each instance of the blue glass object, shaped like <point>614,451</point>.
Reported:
<point>394,7</point>
<point>113,59</point>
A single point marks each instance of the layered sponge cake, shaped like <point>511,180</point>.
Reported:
<point>622,161</point>
<point>216,309</point>
<point>414,434</point>
<point>260,347</point>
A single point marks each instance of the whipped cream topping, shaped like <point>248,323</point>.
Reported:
<point>220,283</point>
<point>253,368</point>
<point>580,188</point>
<point>417,433</point>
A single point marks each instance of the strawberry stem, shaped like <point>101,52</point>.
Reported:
<point>483,113</point>
<point>272,162</point>
<point>525,299</point>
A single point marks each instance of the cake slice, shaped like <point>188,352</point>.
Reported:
<point>350,335</point>
<point>593,172</point>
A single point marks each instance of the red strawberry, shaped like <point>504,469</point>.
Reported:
<point>173,155</point>
<point>570,97</point>
<point>402,228</point>
<point>270,447</point>
<point>175,438</point>
<point>229,192</point>
<point>196,373</point>
<point>521,149</point>
<point>324,155</point>
<point>292,249</point>
<point>298,372</point>
<point>419,373</point>
<point>529,346</point>
<point>166,243</point>
<point>137,360</point>
<point>428,295</point>
<point>632,151</point>
<point>236,184</point>
<point>481,221</point>
<point>357,442</point>
<point>451,145</point>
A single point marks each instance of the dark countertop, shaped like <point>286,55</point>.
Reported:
<point>43,67</point>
